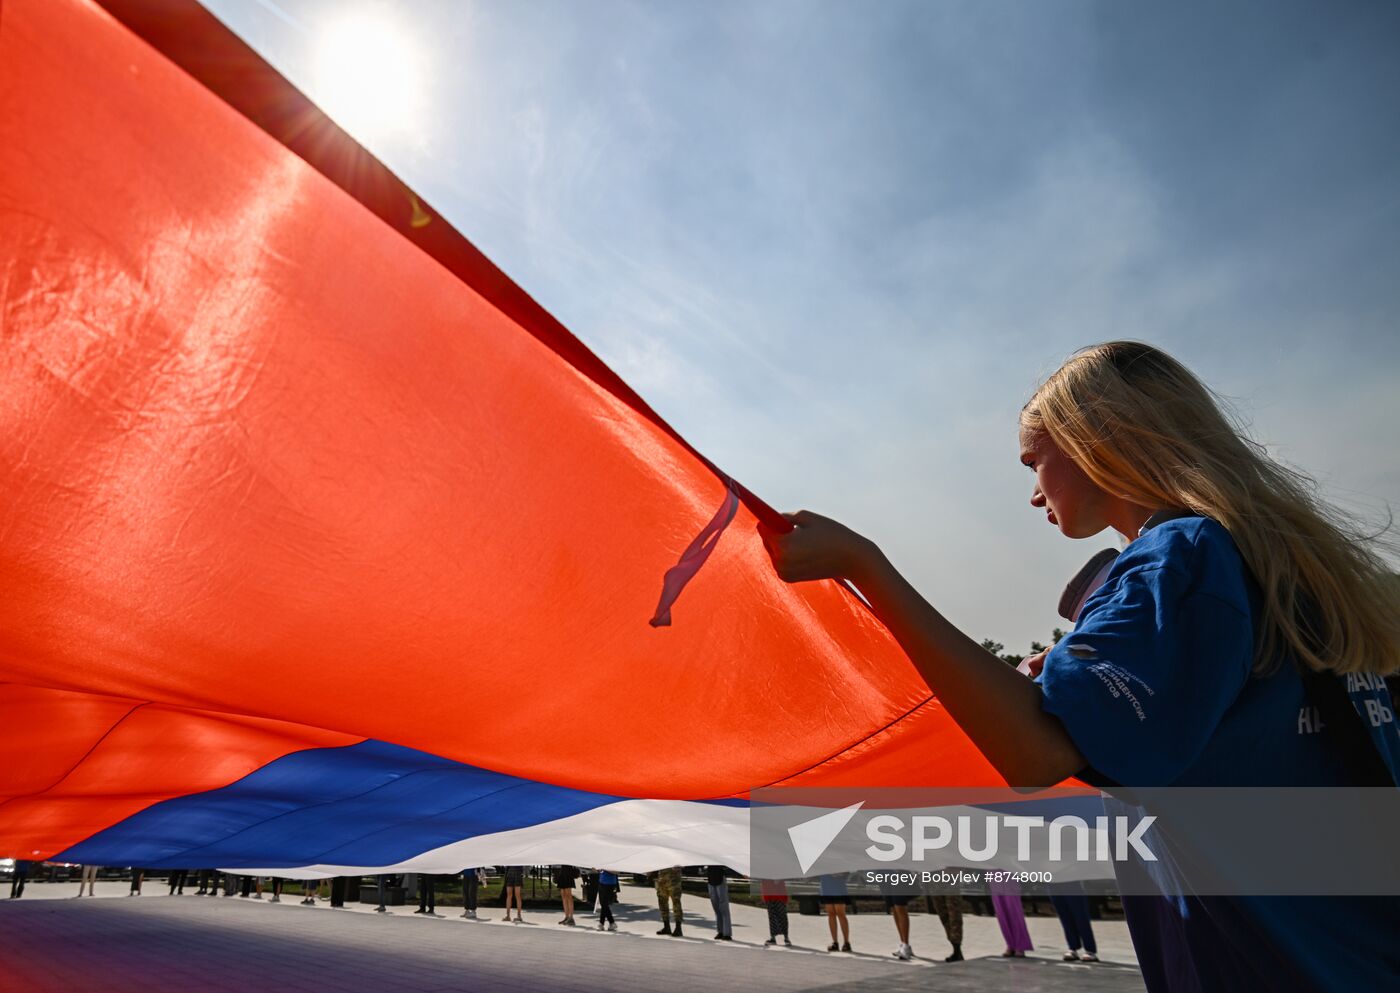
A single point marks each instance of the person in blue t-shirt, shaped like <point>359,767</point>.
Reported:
<point>608,887</point>
<point>1241,608</point>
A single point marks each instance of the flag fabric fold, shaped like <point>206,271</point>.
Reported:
<point>300,496</point>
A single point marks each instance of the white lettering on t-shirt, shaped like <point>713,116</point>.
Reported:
<point>1378,713</point>
<point>1116,679</point>
<point>1310,721</point>
<point>1364,681</point>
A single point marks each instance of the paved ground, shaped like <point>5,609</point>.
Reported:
<point>156,943</point>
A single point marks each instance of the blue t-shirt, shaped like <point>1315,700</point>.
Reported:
<point>1155,686</point>
<point>1155,683</point>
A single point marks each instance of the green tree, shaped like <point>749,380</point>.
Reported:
<point>1011,658</point>
<point>999,650</point>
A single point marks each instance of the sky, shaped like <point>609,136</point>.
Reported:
<point>838,245</point>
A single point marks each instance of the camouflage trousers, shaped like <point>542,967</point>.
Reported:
<point>668,887</point>
<point>950,913</point>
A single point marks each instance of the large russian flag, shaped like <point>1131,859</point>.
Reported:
<point>324,547</point>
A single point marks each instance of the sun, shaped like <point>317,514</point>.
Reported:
<point>368,76</point>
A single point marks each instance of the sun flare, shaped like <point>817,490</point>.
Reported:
<point>368,77</point>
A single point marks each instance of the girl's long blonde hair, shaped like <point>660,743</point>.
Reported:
<point>1144,428</point>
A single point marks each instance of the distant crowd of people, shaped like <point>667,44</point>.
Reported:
<point>601,888</point>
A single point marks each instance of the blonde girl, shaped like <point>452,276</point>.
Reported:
<point>1241,604</point>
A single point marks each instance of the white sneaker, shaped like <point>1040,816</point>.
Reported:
<point>904,953</point>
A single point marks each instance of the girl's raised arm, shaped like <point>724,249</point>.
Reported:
<point>998,707</point>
